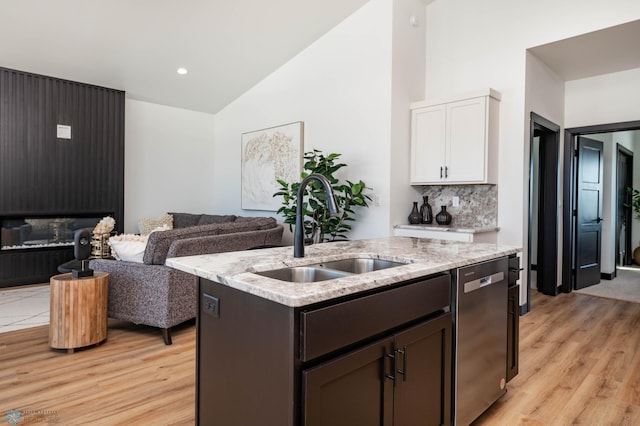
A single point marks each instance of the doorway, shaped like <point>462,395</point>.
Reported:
<point>542,269</point>
<point>615,218</point>
<point>624,180</point>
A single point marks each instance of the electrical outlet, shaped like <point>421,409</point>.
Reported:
<point>211,305</point>
<point>455,202</point>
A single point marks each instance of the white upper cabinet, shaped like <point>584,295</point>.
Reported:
<point>455,142</point>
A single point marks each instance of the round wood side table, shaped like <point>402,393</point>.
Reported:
<point>78,310</point>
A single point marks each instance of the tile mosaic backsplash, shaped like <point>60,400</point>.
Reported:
<point>478,204</point>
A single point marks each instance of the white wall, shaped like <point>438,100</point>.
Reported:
<point>544,95</point>
<point>608,98</point>
<point>168,153</point>
<point>482,43</point>
<point>407,86</point>
<point>340,86</point>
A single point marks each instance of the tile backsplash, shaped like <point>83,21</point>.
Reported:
<point>478,204</point>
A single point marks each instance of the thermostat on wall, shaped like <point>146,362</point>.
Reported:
<point>64,131</point>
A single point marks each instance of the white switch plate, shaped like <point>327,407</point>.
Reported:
<point>376,200</point>
<point>455,201</point>
<point>63,131</point>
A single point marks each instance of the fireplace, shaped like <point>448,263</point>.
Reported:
<point>36,232</point>
<point>33,246</point>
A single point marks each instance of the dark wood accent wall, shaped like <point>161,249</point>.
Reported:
<point>43,175</point>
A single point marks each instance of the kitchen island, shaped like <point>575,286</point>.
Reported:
<point>368,347</point>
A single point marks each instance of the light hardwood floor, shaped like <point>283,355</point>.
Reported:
<point>579,364</point>
<point>131,379</point>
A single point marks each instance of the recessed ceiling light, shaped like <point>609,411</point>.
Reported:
<point>182,71</point>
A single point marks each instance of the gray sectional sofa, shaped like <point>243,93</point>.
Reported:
<point>153,294</point>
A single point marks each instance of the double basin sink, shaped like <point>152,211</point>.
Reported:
<point>328,270</point>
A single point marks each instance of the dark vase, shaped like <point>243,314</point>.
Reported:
<point>443,218</point>
<point>415,217</point>
<point>425,210</point>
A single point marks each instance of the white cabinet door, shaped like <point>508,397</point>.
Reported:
<point>455,142</point>
<point>428,135</point>
<point>466,137</point>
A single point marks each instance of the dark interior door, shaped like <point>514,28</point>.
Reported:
<point>589,212</point>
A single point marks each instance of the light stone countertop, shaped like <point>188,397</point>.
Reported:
<point>450,228</point>
<point>423,257</point>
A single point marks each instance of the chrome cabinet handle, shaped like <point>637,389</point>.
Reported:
<point>440,172</point>
<point>446,171</point>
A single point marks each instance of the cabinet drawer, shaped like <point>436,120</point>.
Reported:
<point>336,326</point>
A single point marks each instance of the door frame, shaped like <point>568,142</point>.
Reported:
<point>548,183</point>
<point>621,151</point>
<point>569,190</point>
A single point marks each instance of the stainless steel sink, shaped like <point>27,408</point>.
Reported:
<point>360,265</point>
<point>328,270</point>
<point>302,274</point>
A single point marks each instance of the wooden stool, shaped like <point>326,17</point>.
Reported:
<point>78,314</point>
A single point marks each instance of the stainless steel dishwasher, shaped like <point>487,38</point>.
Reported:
<point>480,315</point>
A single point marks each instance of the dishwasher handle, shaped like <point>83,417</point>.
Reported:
<point>483,282</point>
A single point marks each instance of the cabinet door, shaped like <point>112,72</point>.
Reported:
<point>466,134</point>
<point>513,332</point>
<point>351,389</point>
<point>428,144</point>
<point>423,374</point>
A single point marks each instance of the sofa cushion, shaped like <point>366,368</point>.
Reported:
<point>128,247</point>
<point>148,224</point>
<point>254,224</point>
<point>208,219</point>
<point>159,242</point>
<point>184,220</point>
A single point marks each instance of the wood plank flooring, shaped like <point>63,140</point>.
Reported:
<point>579,364</point>
<point>133,378</point>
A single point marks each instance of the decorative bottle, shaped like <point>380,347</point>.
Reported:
<point>415,217</point>
<point>425,210</point>
<point>443,218</point>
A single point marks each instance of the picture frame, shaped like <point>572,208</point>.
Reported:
<point>268,155</point>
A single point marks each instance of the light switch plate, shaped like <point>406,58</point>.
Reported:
<point>63,131</point>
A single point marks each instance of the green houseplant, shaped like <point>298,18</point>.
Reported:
<point>319,225</point>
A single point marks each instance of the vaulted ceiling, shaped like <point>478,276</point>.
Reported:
<point>227,46</point>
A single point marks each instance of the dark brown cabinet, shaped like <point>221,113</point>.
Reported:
<point>401,380</point>
<point>381,358</point>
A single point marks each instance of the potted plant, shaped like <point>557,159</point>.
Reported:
<point>319,225</point>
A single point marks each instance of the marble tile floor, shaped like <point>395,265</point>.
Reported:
<point>24,307</point>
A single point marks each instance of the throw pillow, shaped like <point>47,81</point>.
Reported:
<point>128,247</point>
<point>148,224</point>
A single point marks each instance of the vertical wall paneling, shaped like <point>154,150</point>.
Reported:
<point>43,175</point>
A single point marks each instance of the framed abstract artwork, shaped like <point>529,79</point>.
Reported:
<point>268,155</point>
